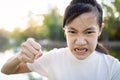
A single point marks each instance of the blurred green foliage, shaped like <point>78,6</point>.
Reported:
<point>53,21</point>
<point>112,25</point>
<point>111,20</point>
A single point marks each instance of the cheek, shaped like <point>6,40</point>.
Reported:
<point>70,40</point>
<point>93,42</point>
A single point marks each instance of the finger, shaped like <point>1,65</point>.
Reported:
<point>27,52</point>
<point>27,59</point>
<point>30,38</point>
<point>30,48</point>
<point>23,58</point>
<point>34,44</point>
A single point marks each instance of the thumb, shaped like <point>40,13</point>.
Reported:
<point>40,53</point>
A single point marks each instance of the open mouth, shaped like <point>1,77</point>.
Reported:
<point>81,51</point>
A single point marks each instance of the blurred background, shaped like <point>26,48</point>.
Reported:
<point>42,20</point>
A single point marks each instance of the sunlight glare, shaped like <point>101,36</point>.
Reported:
<point>15,13</point>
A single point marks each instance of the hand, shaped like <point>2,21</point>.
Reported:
<point>30,50</point>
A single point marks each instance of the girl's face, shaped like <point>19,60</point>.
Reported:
<point>82,35</point>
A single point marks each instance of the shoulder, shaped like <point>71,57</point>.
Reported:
<point>107,57</point>
<point>112,63</point>
<point>108,60</point>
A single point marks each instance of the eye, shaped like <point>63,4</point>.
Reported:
<point>90,32</point>
<point>72,32</point>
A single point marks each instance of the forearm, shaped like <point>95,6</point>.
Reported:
<point>11,66</point>
<point>30,50</point>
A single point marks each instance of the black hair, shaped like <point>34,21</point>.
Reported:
<point>78,7</point>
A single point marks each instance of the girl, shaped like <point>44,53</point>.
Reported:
<point>82,59</point>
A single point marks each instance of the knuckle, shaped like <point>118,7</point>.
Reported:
<point>23,50</point>
<point>30,39</point>
<point>23,44</point>
<point>39,45</point>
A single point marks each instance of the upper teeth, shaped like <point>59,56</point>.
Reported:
<point>83,49</point>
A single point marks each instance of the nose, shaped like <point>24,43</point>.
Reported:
<point>80,41</point>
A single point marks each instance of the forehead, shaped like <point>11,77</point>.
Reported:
<point>91,16</point>
<point>84,20</point>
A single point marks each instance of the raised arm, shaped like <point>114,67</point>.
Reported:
<point>30,50</point>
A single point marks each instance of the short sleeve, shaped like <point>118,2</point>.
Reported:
<point>42,65</point>
<point>115,70</point>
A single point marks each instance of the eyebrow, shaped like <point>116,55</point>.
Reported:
<point>72,28</point>
<point>89,28</point>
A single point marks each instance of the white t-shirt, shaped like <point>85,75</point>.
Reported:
<point>61,64</point>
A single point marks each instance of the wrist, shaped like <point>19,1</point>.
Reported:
<point>19,58</point>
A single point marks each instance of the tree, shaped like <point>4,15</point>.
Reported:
<point>112,24</point>
<point>112,20</point>
<point>53,21</point>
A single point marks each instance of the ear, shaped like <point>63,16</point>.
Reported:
<point>102,25</point>
<point>64,33</point>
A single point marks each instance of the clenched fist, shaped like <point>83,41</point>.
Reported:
<point>30,50</point>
